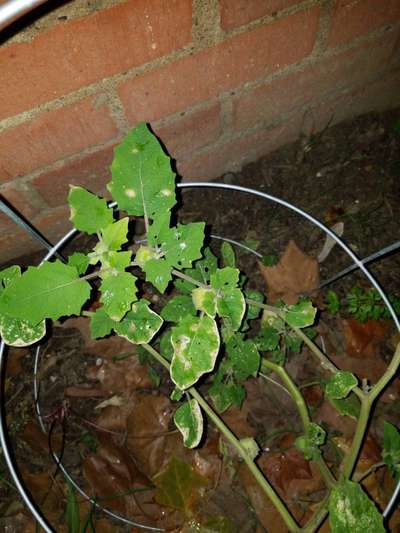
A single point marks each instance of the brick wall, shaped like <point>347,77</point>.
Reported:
<point>222,83</point>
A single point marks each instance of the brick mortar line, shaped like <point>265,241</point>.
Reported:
<point>268,19</point>
<point>324,26</point>
<point>223,140</point>
<point>109,84</point>
<point>224,99</point>
<point>284,117</point>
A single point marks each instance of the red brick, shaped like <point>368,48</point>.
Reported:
<point>191,131</point>
<point>353,18</point>
<point>236,60</point>
<point>53,135</point>
<point>355,66</point>
<point>19,202</point>
<point>239,12</point>
<point>90,171</point>
<point>16,244</point>
<point>91,48</point>
<point>232,155</point>
<point>54,224</point>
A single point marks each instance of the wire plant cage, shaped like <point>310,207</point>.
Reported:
<point>4,440</point>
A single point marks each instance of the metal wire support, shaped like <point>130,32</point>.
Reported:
<point>15,9</point>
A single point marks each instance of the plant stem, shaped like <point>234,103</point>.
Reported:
<point>362,423</point>
<point>368,472</point>
<point>232,439</point>
<point>181,275</point>
<point>303,412</point>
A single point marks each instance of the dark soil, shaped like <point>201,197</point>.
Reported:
<point>348,173</point>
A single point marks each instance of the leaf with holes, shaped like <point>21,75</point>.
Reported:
<point>267,339</point>
<point>7,275</point>
<point>196,344</point>
<point>205,300</point>
<point>89,213</point>
<point>100,323</point>
<point>340,385</point>
<point>19,333</point>
<point>310,442</point>
<point>301,315</point>
<point>203,268</point>
<point>177,308</point>
<point>351,510</point>
<point>189,420</point>
<point>112,263</point>
<point>142,180</point>
<point>51,290</point>
<point>181,245</point>
<point>225,278</point>
<point>117,294</point>
<point>227,393</point>
<point>158,273</point>
<point>244,357</point>
<point>139,325</point>
<point>228,255</point>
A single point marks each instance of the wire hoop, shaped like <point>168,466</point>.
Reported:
<point>4,442</point>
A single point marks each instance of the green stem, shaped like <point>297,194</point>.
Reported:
<point>303,412</point>
<point>181,275</point>
<point>231,438</point>
<point>362,423</point>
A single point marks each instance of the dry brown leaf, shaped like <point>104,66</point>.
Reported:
<point>121,377</point>
<point>362,340</point>
<point>149,436</point>
<point>296,273</point>
<point>37,441</point>
<point>330,416</point>
<point>112,474</point>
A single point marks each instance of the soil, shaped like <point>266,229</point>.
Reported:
<point>349,173</point>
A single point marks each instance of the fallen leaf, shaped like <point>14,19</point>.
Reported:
<point>151,436</point>
<point>363,339</point>
<point>179,486</point>
<point>296,273</point>
<point>114,477</point>
<point>115,401</point>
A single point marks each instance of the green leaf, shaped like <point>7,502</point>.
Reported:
<point>301,314</point>
<point>177,308</point>
<point>351,511</point>
<point>228,255</point>
<point>231,306</point>
<point>251,447</point>
<point>139,325</point>
<point>166,348</point>
<point>117,294</point>
<point>100,323</point>
<point>332,302</point>
<point>72,517</point>
<point>113,263</point>
<point>189,420</point>
<point>205,300</point>
<point>310,442</point>
<point>178,485</point>
<point>391,449</point>
<point>115,235</point>
<point>158,273</point>
<point>181,245</point>
<point>225,278</point>
<point>203,268</point>
<point>154,376</point>
<point>79,261</point>
<point>244,357</point>
<point>196,345</point>
<point>293,343</point>
<point>176,394</point>
<point>19,333</point>
<point>142,180</point>
<point>269,260</point>
<point>8,274</point>
<point>253,311</point>
<point>49,291</point>
<point>340,385</point>
<point>349,406</point>
<point>226,394</point>
<point>267,339</point>
<point>89,213</point>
